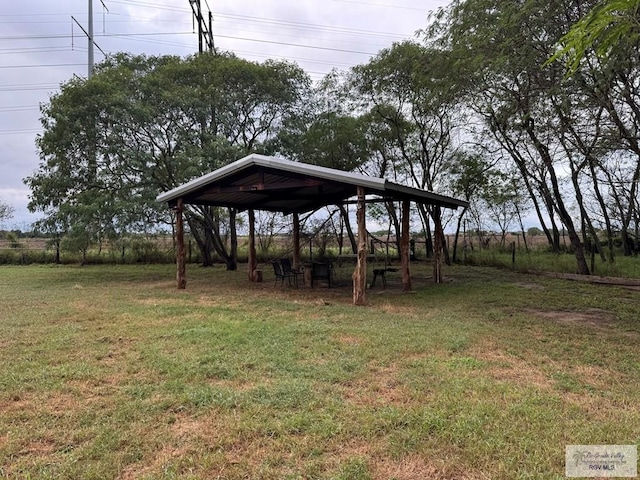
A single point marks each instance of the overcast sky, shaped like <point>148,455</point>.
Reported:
<point>42,46</point>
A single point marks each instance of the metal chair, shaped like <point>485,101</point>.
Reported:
<point>280,274</point>
<point>289,272</point>
<point>321,271</point>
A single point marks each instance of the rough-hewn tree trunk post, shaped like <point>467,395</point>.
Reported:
<point>437,246</point>
<point>181,274</point>
<point>252,261</point>
<point>360,273</point>
<point>296,241</point>
<point>404,248</point>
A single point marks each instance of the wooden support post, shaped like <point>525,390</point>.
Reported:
<point>437,246</point>
<point>181,274</point>
<point>360,273</point>
<point>296,241</point>
<point>404,248</point>
<point>252,260</point>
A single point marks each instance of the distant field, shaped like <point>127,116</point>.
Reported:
<point>160,249</point>
<point>110,372</point>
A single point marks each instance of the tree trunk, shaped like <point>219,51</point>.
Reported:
<point>360,273</point>
<point>196,227</point>
<point>181,275</point>
<point>232,259</point>
<point>454,258</point>
<point>437,225</point>
<point>437,247</point>
<point>347,225</point>
<point>404,248</point>
<point>543,151</point>
<point>252,263</point>
<point>393,219</point>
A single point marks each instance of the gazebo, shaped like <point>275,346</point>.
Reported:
<point>259,182</point>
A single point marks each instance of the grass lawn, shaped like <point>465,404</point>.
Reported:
<point>110,372</point>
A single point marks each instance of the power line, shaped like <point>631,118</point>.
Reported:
<point>154,6</point>
<point>312,26</point>
<point>28,87</point>
<point>64,35</point>
<point>21,51</point>
<point>382,5</point>
<point>19,132</point>
<point>127,35</point>
<point>19,108</point>
<point>243,19</point>
<point>295,45</point>
<point>44,65</point>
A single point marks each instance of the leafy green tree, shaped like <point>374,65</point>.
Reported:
<point>6,211</point>
<point>142,125</point>
<point>500,47</point>
<point>408,88</point>
<point>504,202</point>
<point>600,31</point>
<point>470,172</point>
<point>324,133</point>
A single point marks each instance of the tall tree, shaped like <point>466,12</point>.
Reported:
<point>470,173</point>
<point>142,125</point>
<point>6,211</point>
<point>501,45</point>
<point>324,133</point>
<point>408,87</point>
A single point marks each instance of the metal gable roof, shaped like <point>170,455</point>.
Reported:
<point>268,183</point>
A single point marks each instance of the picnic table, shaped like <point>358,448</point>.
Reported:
<point>381,272</point>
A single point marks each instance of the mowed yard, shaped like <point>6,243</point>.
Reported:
<point>110,372</point>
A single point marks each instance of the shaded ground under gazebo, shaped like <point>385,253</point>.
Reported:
<point>259,182</point>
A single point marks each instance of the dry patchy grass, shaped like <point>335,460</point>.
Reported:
<point>110,372</point>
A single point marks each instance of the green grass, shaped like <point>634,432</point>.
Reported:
<point>544,261</point>
<point>110,372</point>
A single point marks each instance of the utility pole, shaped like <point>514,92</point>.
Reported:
<point>205,32</point>
<point>212,47</point>
<point>90,38</point>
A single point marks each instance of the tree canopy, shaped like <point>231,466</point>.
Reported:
<point>600,31</point>
<point>142,125</point>
<point>6,211</point>
<point>474,107</point>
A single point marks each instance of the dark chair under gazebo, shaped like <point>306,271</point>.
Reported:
<point>289,271</point>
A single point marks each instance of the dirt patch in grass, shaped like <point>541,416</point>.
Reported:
<point>349,339</point>
<point>592,318</point>
<point>154,302</point>
<point>529,286</point>
<point>393,309</point>
<point>594,375</point>
<point>187,427</point>
<point>41,447</point>
<point>162,458</point>
<point>185,437</point>
<point>381,387</point>
<point>506,368</point>
<point>238,385</point>
<point>415,467</point>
